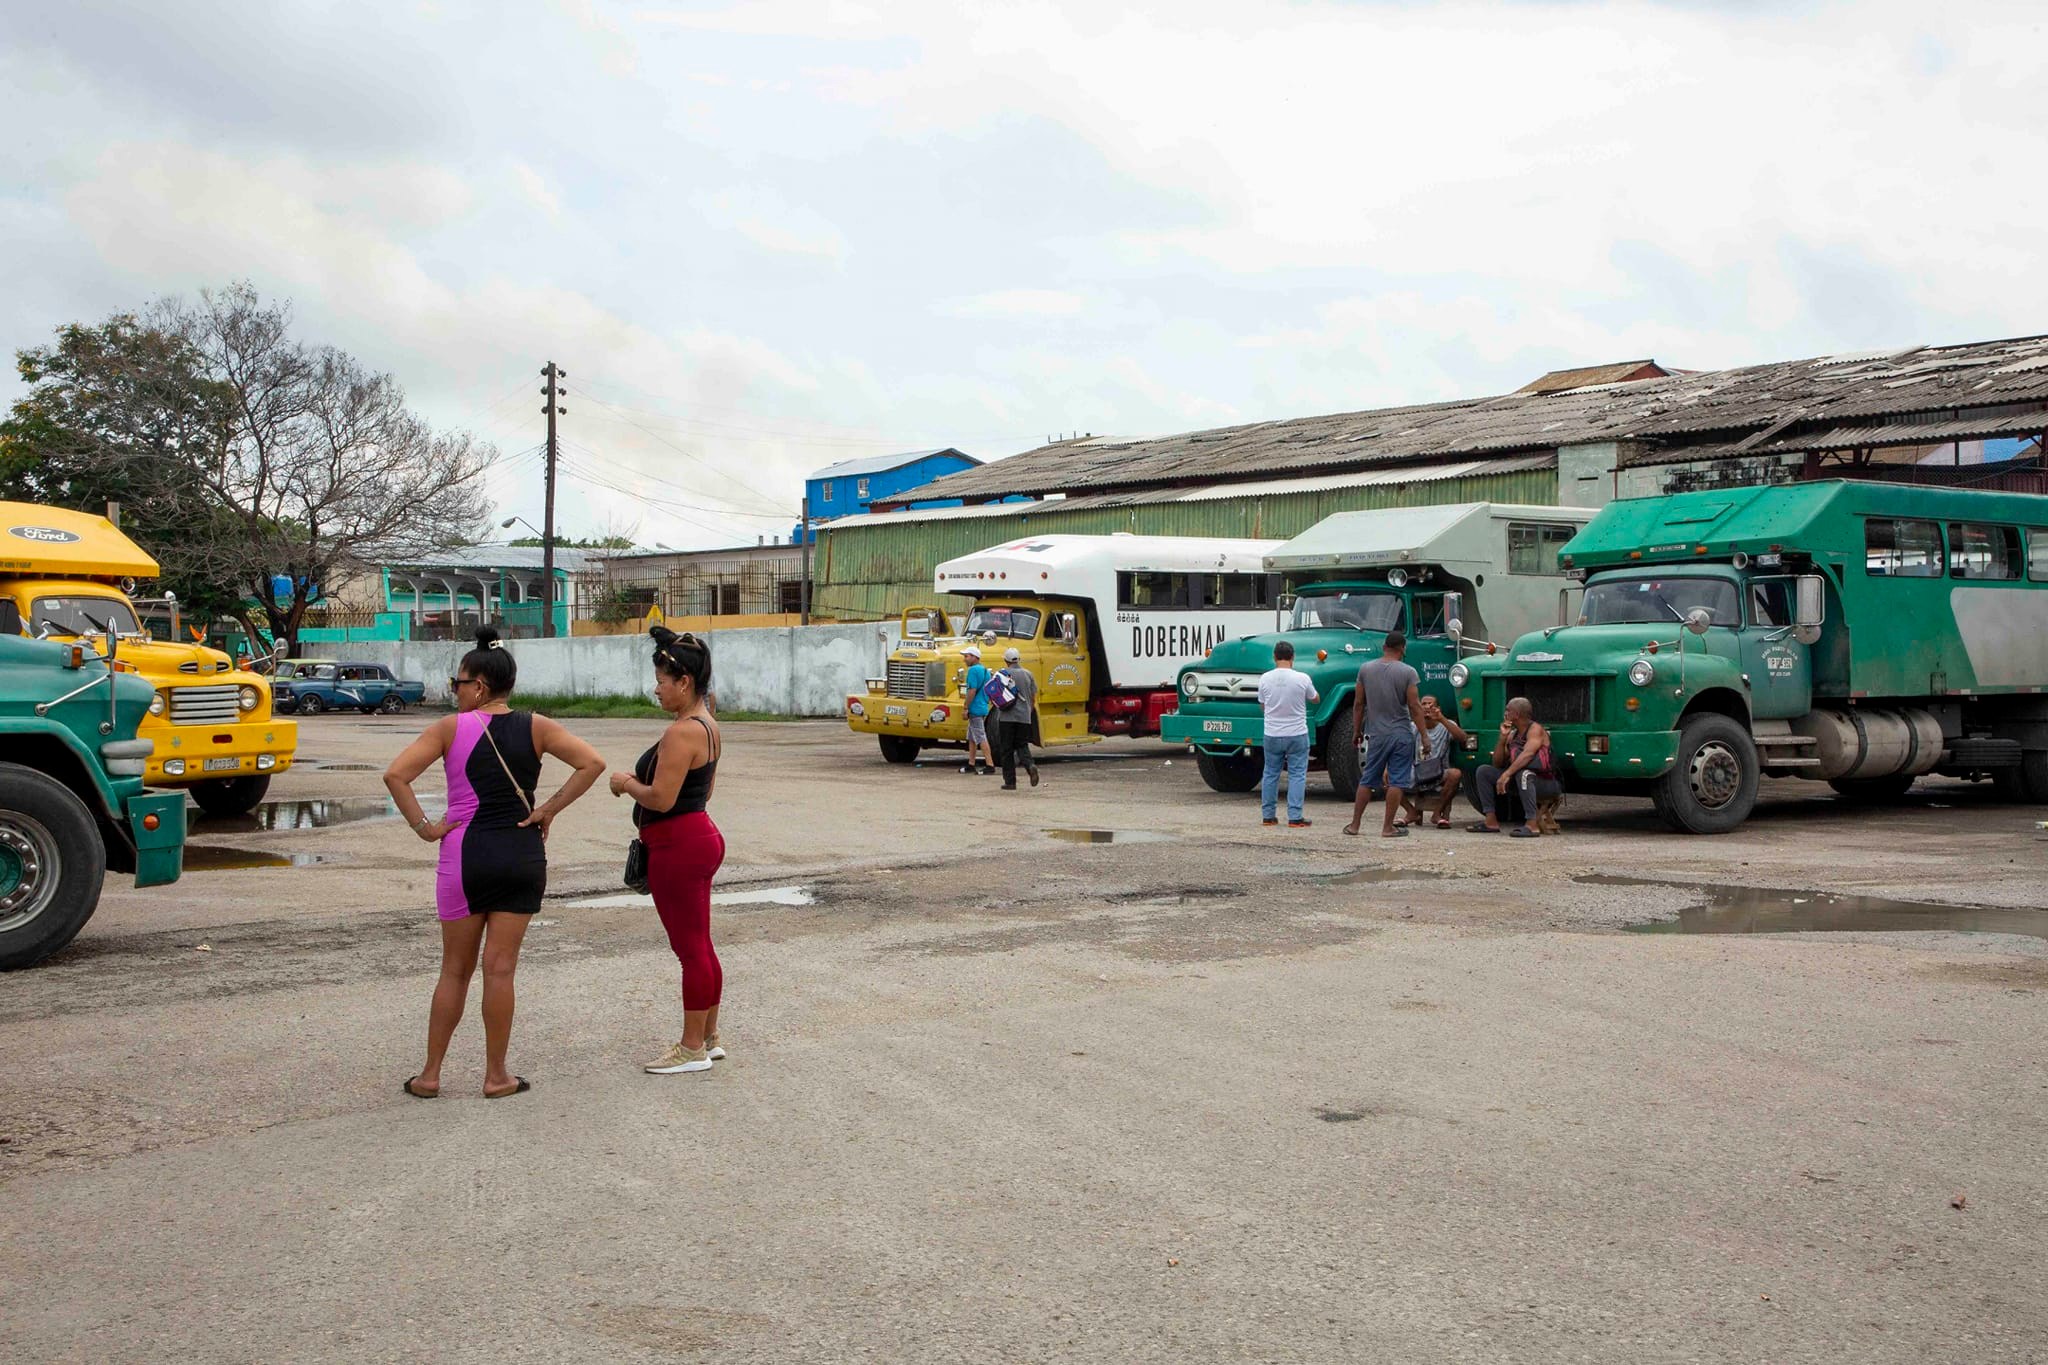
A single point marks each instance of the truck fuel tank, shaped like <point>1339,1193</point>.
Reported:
<point>1862,743</point>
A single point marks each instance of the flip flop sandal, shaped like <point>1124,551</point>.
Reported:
<point>519,1089</point>
<point>1351,829</point>
<point>406,1086</point>
<point>1523,832</point>
<point>1397,832</point>
<point>1480,827</point>
<point>1443,822</point>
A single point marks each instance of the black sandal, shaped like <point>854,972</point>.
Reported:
<point>1480,827</point>
<point>519,1089</point>
<point>406,1086</point>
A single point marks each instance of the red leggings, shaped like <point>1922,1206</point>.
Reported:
<point>683,855</point>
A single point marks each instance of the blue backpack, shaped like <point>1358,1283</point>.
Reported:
<point>999,690</point>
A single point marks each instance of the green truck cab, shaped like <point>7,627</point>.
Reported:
<point>1355,576</point>
<point>1861,634</point>
<point>72,803</point>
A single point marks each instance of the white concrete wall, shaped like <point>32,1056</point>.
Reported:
<point>783,671</point>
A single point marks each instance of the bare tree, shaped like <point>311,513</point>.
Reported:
<point>253,456</point>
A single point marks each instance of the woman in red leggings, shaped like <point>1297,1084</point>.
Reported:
<point>671,786</point>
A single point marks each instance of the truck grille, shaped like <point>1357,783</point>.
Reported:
<point>1558,701</point>
<point>204,705</point>
<point>1226,687</point>
<point>906,680</point>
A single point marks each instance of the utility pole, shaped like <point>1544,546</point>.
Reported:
<point>554,374</point>
<point>804,601</point>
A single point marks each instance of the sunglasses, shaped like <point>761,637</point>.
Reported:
<point>457,684</point>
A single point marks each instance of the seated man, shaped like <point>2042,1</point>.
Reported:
<point>1522,779</point>
<point>1434,775</point>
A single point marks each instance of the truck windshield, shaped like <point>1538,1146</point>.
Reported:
<point>1018,623</point>
<point>1659,601</point>
<point>1339,610</point>
<point>81,616</point>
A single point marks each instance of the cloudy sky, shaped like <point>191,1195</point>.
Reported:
<point>763,237</point>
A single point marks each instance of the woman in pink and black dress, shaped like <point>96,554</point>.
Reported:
<point>493,867</point>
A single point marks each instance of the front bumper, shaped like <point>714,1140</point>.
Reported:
<point>871,713</point>
<point>206,752</point>
<point>159,852</point>
<point>1631,755</point>
<point>1217,733</point>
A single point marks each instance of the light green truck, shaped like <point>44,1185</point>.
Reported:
<point>1857,633</point>
<point>72,803</point>
<point>1355,576</point>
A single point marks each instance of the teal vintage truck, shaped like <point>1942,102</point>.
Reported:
<point>1354,577</point>
<point>72,803</point>
<point>1858,633</point>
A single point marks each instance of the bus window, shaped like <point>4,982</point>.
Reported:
<point>1236,591</point>
<point>1986,552</point>
<point>1902,549</point>
<point>1533,546</point>
<point>1147,589</point>
<point>2037,553</point>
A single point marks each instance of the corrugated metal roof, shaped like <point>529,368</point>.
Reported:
<point>1585,376</point>
<point>1715,408</point>
<point>882,464</point>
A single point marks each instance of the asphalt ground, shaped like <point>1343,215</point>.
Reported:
<point>1203,1091</point>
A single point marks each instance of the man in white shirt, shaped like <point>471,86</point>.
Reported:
<point>1285,694</point>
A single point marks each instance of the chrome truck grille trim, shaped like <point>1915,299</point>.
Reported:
<point>204,705</point>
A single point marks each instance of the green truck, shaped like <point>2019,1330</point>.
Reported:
<point>1354,576</point>
<point>1857,633</point>
<point>72,803</point>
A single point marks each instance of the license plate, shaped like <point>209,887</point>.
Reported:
<point>899,712</point>
<point>1215,727</point>
<point>223,765</point>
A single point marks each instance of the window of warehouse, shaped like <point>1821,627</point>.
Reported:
<point>1533,546</point>
<point>1144,589</point>
<point>1977,551</point>
<point>1902,549</point>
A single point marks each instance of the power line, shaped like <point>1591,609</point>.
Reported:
<point>678,510</point>
<point>693,459</point>
<point>627,471</point>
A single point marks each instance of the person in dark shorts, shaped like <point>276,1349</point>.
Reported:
<point>493,857</point>
<point>671,789</point>
<point>1386,713</point>
<point>1522,779</point>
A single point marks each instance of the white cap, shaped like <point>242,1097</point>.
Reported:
<point>970,653</point>
<point>1011,656</point>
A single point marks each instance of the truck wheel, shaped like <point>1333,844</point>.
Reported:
<point>1340,753</point>
<point>2026,784</point>
<point>1229,772</point>
<point>52,861</point>
<point>311,706</point>
<point>392,705</point>
<point>1872,790</point>
<point>896,749</point>
<point>1712,787</point>
<point>226,796</point>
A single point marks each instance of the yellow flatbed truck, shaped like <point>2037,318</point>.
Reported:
<point>66,576</point>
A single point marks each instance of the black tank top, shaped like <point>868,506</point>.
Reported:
<point>696,790</point>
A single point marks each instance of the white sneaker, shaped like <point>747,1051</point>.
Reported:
<point>679,1059</point>
<point>713,1050</point>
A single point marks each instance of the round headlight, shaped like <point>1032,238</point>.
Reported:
<point>1188,683</point>
<point>1641,671</point>
<point>1460,675</point>
<point>250,698</point>
<point>157,703</point>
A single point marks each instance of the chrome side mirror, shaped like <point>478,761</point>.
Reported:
<point>1699,620</point>
<point>1454,616</point>
<point>1810,609</point>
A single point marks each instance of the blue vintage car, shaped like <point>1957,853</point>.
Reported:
<point>310,686</point>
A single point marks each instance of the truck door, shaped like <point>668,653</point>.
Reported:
<point>1063,676</point>
<point>1779,669</point>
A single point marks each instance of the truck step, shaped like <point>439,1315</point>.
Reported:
<point>1788,762</point>
<point>1783,741</point>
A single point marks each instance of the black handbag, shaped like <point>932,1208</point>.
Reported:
<point>636,867</point>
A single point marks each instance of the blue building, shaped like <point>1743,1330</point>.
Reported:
<point>852,486</point>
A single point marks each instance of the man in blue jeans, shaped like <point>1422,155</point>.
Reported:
<point>1285,694</point>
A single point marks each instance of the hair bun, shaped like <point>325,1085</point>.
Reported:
<point>663,636</point>
<point>487,637</point>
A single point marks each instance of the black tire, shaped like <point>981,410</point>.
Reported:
<point>1712,787</point>
<point>228,796</point>
<point>1340,752</point>
<point>392,705</point>
<point>2027,784</point>
<point>1872,791</point>
<point>311,706</point>
<point>52,861</point>
<point>1233,773</point>
<point>897,749</point>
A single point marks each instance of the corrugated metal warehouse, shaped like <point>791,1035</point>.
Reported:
<point>1904,414</point>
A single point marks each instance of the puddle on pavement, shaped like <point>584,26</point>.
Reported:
<point>324,766</point>
<point>1367,876</point>
<point>207,858</point>
<point>1108,836</point>
<point>344,810</point>
<point>766,895</point>
<point>1767,910</point>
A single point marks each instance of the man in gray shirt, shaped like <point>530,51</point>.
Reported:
<point>1013,722</point>
<point>1386,715</point>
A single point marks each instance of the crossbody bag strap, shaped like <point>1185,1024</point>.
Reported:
<point>517,789</point>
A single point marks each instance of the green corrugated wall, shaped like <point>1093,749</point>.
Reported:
<point>872,572</point>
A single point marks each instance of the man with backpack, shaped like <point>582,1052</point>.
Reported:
<point>1014,693</point>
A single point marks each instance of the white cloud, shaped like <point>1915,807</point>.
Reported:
<point>774,224</point>
<point>536,189</point>
<point>1017,303</point>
